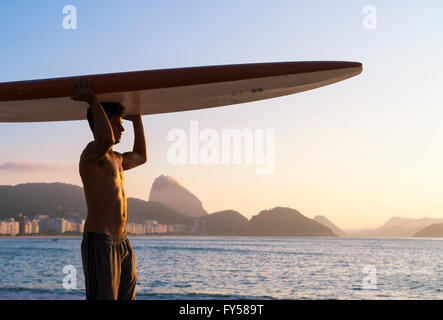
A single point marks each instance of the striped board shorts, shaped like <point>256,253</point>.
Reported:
<point>108,266</point>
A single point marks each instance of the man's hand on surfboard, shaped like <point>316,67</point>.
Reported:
<point>134,117</point>
<point>82,91</point>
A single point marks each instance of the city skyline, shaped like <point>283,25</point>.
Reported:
<point>44,225</point>
<point>357,152</point>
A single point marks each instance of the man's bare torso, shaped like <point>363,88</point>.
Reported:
<point>106,200</point>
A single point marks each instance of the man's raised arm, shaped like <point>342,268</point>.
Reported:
<point>104,138</point>
<point>139,154</point>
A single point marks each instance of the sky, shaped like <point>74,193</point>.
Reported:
<point>358,152</point>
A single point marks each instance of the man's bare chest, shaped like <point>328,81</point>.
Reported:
<point>110,166</point>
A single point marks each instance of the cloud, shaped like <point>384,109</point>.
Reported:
<point>30,167</point>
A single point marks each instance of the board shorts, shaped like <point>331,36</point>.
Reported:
<point>108,266</point>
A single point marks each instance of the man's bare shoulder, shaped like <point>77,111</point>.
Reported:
<point>89,155</point>
<point>87,150</point>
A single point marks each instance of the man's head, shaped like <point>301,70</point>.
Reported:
<point>115,113</point>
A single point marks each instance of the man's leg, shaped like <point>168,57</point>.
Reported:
<point>128,278</point>
<point>100,267</point>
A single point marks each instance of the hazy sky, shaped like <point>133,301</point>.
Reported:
<point>358,152</point>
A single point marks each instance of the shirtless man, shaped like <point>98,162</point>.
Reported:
<point>107,255</point>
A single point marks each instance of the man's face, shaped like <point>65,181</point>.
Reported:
<point>117,128</point>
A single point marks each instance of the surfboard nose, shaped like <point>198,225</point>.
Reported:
<point>313,66</point>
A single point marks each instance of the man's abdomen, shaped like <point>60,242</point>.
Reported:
<point>109,219</point>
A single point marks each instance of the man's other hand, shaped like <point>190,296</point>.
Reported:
<point>133,118</point>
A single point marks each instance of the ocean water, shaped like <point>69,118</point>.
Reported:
<point>236,268</point>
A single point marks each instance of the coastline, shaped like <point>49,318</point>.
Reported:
<point>80,236</point>
<point>41,236</point>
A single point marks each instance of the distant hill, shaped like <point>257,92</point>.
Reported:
<point>167,190</point>
<point>139,211</point>
<point>404,227</point>
<point>398,227</point>
<point>432,231</point>
<point>285,222</point>
<point>224,223</point>
<point>276,222</point>
<point>32,199</point>
<point>328,223</point>
<point>68,201</point>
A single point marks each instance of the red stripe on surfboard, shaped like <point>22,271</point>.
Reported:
<point>162,78</point>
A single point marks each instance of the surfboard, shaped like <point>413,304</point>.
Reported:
<point>169,90</point>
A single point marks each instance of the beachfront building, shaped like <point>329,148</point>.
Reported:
<point>59,225</point>
<point>199,227</point>
<point>135,228</point>
<point>29,226</point>
<point>20,225</point>
<point>81,225</point>
<point>152,226</point>
<point>34,226</point>
<point>181,229</point>
<point>9,227</point>
<point>71,226</point>
<point>43,223</point>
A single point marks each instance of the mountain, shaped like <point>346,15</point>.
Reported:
<point>32,199</point>
<point>397,227</point>
<point>68,201</point>
<point>285,222</point>
<point>328,223</point>
<point>224,223</point>
<point>167,190</point>
<point>432,231</point>
<point>403,227</point>
<point>276,222</point>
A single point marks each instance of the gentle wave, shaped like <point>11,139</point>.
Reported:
<point>33,249</point>
<point>44,294</point>
<point>261,251</point>
<point>198,295</point>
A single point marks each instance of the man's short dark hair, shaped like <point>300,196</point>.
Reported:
<point>111,109</point>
